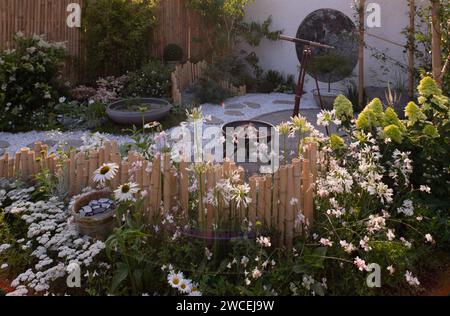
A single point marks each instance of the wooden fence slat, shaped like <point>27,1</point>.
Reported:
<point>271,195</point>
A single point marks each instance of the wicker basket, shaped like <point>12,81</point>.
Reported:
<point>98,226</point>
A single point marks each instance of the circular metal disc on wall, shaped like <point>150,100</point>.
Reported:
<point>332,27</point>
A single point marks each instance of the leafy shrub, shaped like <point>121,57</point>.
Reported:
<point>152,80</point>
<point>274,81</point>
<point>117,34</point>
<point>223,69</point>
<point>28,83</point>
<point>76,115</point>
<point>173,52</point>
<point>210,91</point>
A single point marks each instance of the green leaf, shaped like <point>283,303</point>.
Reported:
<point>120,275</point>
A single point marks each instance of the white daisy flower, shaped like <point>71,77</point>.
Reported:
<point>175,279</point>
<point>185,286</point>
<point>105,173</point>
<point>126,192</point>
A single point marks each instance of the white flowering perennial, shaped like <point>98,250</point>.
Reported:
<point>184,286</point>
<point>53,241</point>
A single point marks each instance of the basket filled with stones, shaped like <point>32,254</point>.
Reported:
<point>93,214</point>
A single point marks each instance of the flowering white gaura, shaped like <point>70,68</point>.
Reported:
<point>126,192</point>
<point>105,173</point>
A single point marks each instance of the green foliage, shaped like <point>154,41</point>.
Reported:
<point>223,69</point>
<point>173,52</point>
<point>423,39</point>
<point>152,80</point>
<point>29,83</point>
<point>117,33</point>
<point>223,18</point>
<point>274,81</point>
<point>75,115</point>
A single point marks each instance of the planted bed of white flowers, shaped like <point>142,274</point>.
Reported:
<point>381,206</point>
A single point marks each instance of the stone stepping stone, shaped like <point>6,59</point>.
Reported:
<point>4,144</point>
<point>236,106</point>
<point>215,121</point>
<point>253,105</point>
<point>234,113</point>
<point>284,102</point>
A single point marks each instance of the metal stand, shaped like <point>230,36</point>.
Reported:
<point>306,58</point>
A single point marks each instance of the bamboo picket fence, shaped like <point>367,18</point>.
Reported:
<point>167,184</point>
<point>188,73</point>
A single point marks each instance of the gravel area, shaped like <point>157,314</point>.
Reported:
<point>245,107</point>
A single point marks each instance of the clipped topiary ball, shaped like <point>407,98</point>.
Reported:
<point>173,52</point>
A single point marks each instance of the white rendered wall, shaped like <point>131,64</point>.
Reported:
<point>287,15</point>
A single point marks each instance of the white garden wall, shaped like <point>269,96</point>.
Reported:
<point>288,14</point>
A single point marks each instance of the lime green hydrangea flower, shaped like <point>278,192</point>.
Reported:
<point>428,87</point>
<point>343,108</point>
<point>394,133</point>
<point>371,117</point>
<point>391,118</point>
<point>414,114</point>
<point>336,142</point>
<point>430,131</point>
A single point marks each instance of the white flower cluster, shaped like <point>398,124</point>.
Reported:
<point>54,242</point>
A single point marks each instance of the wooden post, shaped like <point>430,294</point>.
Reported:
<point>282,205</point>
<point>268,201</point>
<point>307,192</point>
<point>253,197</point>
<point>436,41</point>
<point>155,186</point>
<point>72,174</point>
<point>290,207</point>
<point>261,208</point>
<point>184,187</point>
<point>275,198</point>
<point>411,48</point>
<point>297,164</point>
<point>210,215</point>
<point>166,179</point>
<point>361,51</point>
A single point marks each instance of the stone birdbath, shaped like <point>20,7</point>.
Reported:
<point>134,111</point>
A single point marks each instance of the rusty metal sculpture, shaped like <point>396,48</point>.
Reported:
<point>306,58</point>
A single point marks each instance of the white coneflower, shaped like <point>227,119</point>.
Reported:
<point>105,173</point>
<point>175,279</point>
<point>126,192</point>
